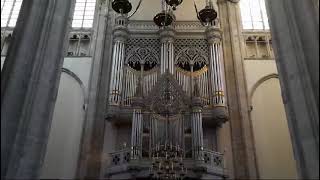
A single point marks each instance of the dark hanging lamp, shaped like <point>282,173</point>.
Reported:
<point>174,3</point>
<point>163,19</point>
<point>206,15</point>
<point>121,6</point>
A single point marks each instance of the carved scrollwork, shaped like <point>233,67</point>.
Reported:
<point>191,56</point>
<point>167,97</point>
<point>142,55</point>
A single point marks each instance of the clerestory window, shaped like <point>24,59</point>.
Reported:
<point>83,14</point>
<point>9,12</point>
<point>254,15</point>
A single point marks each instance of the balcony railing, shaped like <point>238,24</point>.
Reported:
<point>210,158</point>
<point>123,161</point>
<point>121,157</point>
<point>213,158</point>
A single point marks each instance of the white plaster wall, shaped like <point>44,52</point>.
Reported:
<point>257,69</point>
<point>184,12</point>
<point>81,66</point>
<point>272,140</point>
<point>269,123</point>
<point>65,134</point>
<point>63,146</point>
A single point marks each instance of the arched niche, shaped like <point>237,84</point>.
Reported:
<point>273,148</point>
<point>63,146</point>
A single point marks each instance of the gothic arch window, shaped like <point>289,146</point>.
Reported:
<point>191,56</point>
<point>9,12</point>
<point>83,14</point>
<point>142,55</point>
<point>254,15</point>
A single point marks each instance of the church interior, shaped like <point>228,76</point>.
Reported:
<point>159,89</point>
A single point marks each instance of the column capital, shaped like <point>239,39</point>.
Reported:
<point>196,104</point>
<point>167,34</point>
<point>213,34</point>
<point>120,31</point>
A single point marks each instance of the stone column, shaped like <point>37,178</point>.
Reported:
<point>94,147</point>
<point>240,153</point>
<point>167,35</point>
<point>295,34</point>
<point>29,85</point>
<point>120,34</point>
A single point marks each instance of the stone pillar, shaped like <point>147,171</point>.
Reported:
<point>295,34</point>
<point>120,34</point>
<point>94,147</point>
<point>167,35</point>
<point>29,85</point>
<point>240,153</point>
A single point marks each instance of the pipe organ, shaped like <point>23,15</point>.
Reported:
<point>166,83</point>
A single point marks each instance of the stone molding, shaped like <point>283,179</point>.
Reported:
<point>167,35</point>
<point>139,26</point>
<point>234,1</point>
<point>213,35</point>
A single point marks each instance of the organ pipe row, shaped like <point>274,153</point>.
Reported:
<point>183,78</point>
<point>167,57</point>
<point>167,49</point>
<point>217,74</point>
<point>117,73</point>
<point>118,55</point>
<point>170,130</point>
<point>197,133</point>
<point>136,134</point>
<point>217,79</point>
<point>130,86</point>
<point>131,78</point>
